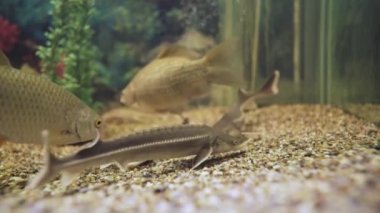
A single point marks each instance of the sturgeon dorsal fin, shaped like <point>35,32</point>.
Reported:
<point>202,155</point>
<point>4,61</point>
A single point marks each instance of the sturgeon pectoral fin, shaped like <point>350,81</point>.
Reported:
<point>47,172</point>
<point>135,164</point>
<point>202,155</point>
<point>68,176</point>
<point>121,165</point>
<point>103,166</point>
<point>225,76</point>
<point>126,165</point>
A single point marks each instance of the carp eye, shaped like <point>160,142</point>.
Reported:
<point>98,123</point>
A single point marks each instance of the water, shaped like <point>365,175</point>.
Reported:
<point>305,152</point>
<point>327,51</point>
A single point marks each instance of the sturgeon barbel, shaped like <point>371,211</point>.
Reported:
<point>30,103</point>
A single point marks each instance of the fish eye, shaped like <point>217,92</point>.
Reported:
<point>98,123</point>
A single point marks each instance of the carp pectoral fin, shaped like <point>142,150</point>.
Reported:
<point>4,59</point>
<point>225,76</point>
<point>202,155</point>
<point>223,63</point>
<point>68,176</point>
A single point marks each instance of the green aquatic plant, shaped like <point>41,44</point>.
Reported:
<point>125,31</point>
<point>69,58</point>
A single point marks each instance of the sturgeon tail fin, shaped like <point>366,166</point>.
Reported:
<point>46,173</point>
<point>268,89</point>
<point>233,118</point>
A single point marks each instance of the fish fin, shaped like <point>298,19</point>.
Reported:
<point>268,89</point>
<point>202,155</point>
<point>4,59</point>
<point>48,172</point>
<point>122,165</point>
<point>174,50</point>
<point>126,165</point>
<point>233,118</point>
<point>225,76</point>
<point>222,64</point>
<point>132,165</point>
<point>26,69</point>
<point>271,85</point>
<point>128,95</point>
<point>103,166</point>
<point>68,176</point>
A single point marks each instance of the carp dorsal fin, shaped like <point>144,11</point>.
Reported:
<point>174,50</point>
<point>4,59</point>
<point>25,68</point>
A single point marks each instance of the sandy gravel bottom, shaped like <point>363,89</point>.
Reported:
<point>303,158</point>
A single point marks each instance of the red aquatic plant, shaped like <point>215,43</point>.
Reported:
<point>60,67</point>
<point>9,35</point>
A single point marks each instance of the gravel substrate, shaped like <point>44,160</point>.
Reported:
<point>303,158</point>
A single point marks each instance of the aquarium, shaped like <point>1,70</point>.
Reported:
<point>189,106</point>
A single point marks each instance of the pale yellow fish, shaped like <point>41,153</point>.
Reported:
<point>195,40</point>
<point>30,103</point>
<point>170,81</point>
<point>195,43</point>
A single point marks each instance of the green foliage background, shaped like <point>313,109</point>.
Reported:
<point>69,42</point>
